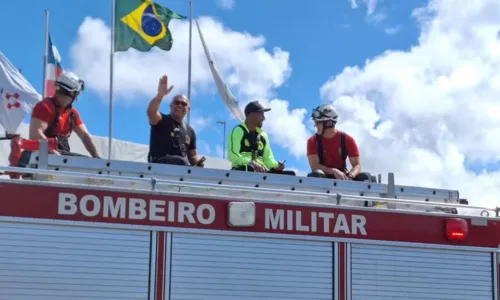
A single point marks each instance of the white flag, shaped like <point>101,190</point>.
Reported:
<point>17,96</point>
<point>224,90</point>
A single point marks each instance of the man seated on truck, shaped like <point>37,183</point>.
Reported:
<point>329,148</point>
<point>56,116</point>
<point>249,148</point>
<point>171,140</point>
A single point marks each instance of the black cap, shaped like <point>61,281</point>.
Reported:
<point>255,106</point>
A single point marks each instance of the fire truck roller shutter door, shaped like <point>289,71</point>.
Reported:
<point>70,262</point>
<point>386,272</point>
<point>234,267</point>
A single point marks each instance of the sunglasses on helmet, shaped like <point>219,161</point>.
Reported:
<point>66,92</point>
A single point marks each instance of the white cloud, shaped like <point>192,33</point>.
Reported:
<point>199,123</point>
<point>375,18</point>
<point>203,148</point>
<point>371,5</point>
<point>436,105</point>
<point>372,17</point>
<point>219,151</point>
<point>393,30</point>
<point>284,126</point>
<point>251,71</point>
<point>226,4</point>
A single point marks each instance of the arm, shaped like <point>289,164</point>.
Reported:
<point>87,141</point>
<point>354,159</point>
<point>153,113</point>
<point>234,147</point>
<point>268,157</point>
<point>195,157</point>
<point>40,118</point>
<point>37,129</point>
<point>356,166</point>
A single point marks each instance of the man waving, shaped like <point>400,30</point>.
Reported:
<point>171,140</point>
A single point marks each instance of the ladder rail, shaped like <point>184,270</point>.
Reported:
<point>45,160</point>
<point>390,190</point>
<point>153,182</point>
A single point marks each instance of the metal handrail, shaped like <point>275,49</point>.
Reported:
<point>390,187</point>
<point>153,181</point>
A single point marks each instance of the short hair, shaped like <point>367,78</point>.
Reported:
<point>176,97</point>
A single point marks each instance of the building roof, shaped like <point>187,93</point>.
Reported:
<point>122,150</point>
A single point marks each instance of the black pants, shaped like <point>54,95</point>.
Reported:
<point>169,160</point>
<point>363,176</point>
<point>249,168</point>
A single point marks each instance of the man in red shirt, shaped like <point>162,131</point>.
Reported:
<point>329,148</point>
<point>56,116</point>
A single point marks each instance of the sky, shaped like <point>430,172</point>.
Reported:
<point>416,83</point>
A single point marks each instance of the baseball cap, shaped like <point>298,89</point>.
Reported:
<point>255,106</point>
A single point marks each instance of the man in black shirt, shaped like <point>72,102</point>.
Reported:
<point>171,140</point>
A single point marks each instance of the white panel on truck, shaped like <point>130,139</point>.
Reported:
<point>211,267</point>
<point>390,272</point>
<point>45,262</point>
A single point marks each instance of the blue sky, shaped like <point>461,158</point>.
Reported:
<point>322,39</point>
<point>380,64</point>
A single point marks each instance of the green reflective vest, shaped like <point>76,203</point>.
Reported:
<point>245,146</point>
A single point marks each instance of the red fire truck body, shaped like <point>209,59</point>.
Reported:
<point>96,229</point>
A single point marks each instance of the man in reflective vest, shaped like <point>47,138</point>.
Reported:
<point>249,148</point>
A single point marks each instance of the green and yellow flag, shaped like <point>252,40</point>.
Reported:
<point>142,25</point>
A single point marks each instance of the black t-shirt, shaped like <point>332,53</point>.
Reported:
<point>166,136</point>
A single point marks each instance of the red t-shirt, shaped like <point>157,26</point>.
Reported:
<point>45,111</point>
<point>332,157</point>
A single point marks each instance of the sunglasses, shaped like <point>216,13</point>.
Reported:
<point>65,92</point>
<point>177,102</point>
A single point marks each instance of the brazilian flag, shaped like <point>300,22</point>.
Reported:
<point>142,25</point>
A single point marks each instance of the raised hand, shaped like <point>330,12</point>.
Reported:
<point>163,88</point>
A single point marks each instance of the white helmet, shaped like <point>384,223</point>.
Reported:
<point>325,112</point>
<point>70,82</point>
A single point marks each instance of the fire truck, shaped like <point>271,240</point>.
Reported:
<point>82,228</point>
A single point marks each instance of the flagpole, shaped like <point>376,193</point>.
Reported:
<point>45,54</point>
<point>111,56</point>
<point>189,57</point>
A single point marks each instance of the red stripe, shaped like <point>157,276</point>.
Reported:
<point>160,266</point>
<point>58,71</point>
<point>50,88</point>
<point>342,271</point>
<point>212,214</point>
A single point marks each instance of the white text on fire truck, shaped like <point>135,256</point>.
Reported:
<point>292,220</point>
<point>136,209</point>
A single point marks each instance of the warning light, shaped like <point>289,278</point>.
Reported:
<point>241,214</point>
<point>456,229</point>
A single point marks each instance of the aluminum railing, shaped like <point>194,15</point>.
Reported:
<point>334,199</point>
